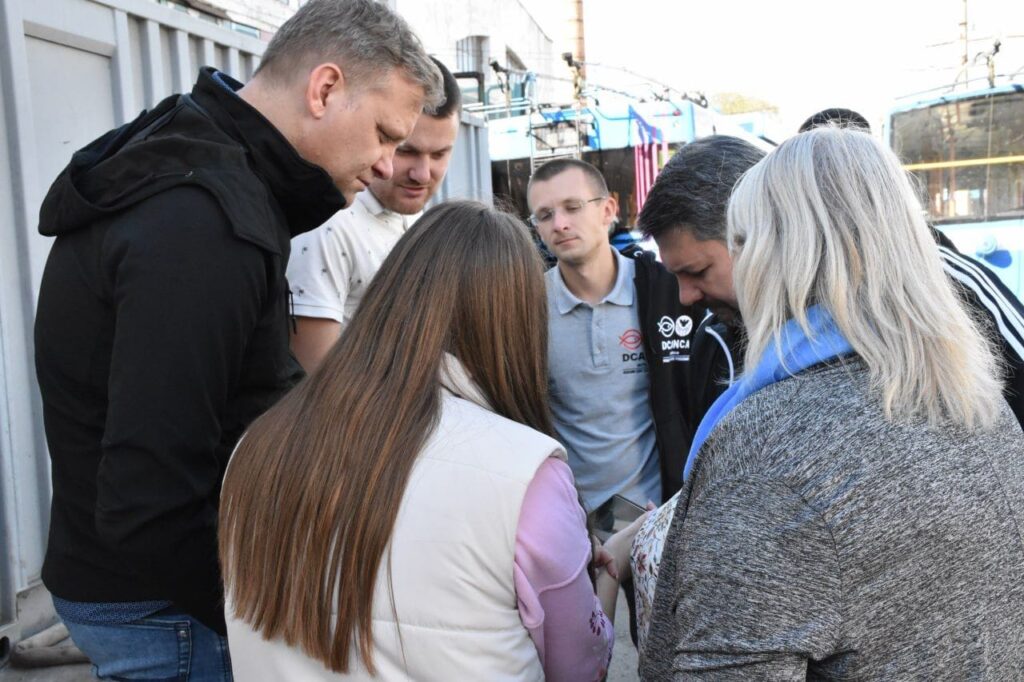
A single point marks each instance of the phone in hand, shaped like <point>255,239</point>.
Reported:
<point>626,510</point>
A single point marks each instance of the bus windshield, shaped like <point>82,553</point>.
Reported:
<point>967,154</point>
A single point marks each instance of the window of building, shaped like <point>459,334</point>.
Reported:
<point>472,53</point>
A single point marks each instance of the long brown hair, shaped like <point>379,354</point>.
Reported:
<point>312,492</point>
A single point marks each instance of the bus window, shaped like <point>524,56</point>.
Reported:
<point>967,154</point>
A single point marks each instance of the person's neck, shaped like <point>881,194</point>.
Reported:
<point>372,197</point>
<point>592,280</point>
<point>272,105</point>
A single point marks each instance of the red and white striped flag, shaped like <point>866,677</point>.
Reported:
<point>648,157</point>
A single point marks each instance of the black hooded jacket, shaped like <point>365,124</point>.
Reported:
<point>668,330</point>
<point>715,362</point>
<point>161,333</point>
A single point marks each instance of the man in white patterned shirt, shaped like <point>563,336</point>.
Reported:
<point>331,266</point>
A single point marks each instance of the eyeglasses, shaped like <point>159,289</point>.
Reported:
<point>570,207</point>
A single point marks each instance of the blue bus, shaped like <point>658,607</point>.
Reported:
<point>966,150</point>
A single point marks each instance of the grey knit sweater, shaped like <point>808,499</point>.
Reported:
<point>819,541</point>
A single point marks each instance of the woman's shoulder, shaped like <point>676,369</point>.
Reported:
<point>469,415</point>
<point>841,387</point>
<point>799,413</point>
<point>468,431</point>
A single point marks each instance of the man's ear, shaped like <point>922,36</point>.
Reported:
<point>611,209</point>
<point>324,81</point>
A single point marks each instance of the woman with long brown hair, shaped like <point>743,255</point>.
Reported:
<point>404,512</point>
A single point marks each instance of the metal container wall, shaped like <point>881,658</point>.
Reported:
<point>69,71</point>
<point>469,171</point>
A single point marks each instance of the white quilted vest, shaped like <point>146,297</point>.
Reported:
<point>451,561</point>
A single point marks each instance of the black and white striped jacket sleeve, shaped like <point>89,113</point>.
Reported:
<point>985,292</point>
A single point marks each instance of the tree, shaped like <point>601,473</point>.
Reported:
<point>736,103</point>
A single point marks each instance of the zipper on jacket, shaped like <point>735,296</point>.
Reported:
<point>291,311</point>
<point>178,174</point>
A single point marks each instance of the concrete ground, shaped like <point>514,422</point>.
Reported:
<point>624,659</point>
<point>623,667</point>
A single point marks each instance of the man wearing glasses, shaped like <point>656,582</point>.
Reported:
<point>618,346</point>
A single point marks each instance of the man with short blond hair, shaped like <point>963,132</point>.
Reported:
<point>161,330</point>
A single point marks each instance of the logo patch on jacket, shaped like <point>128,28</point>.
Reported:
<point>675,333</point>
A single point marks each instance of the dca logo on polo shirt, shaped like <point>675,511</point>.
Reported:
<point>675,332</point>
<point>631,340</point>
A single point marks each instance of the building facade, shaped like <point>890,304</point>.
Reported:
<point>468,35</point>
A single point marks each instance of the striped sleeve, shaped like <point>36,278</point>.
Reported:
<point>992,294</point>
<point>986,292</point>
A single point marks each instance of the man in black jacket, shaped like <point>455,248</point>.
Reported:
<point>991,300</point>
<point>162,326</point>
<point>685,214</point>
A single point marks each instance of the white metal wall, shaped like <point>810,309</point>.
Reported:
<point>469,170</point>
<point>69,71</point>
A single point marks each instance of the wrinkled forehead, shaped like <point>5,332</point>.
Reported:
<point>433,134</point>
<point>681,250</point>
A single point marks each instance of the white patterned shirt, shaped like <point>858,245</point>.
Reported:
<point>330,267</point>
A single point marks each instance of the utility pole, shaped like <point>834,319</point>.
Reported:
<point>966,47</point>
<point>576,35</point>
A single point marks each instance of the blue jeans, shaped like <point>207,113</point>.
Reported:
<point>167,645</point>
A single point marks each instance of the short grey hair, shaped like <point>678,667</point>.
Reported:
<point>366,38</point>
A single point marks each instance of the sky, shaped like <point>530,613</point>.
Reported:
<point>799,55</point>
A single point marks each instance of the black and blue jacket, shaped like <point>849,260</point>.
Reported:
<point>668,329</point>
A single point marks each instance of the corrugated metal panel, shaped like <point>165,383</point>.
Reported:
<point>69,71</point>
<point>469,171</point>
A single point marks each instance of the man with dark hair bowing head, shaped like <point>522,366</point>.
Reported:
<point>685,214</point>
<point>162,324</point>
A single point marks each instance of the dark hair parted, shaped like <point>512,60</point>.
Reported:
<point>452,94</point>
<point>836,117</point>
<point>559,166</point>
<point>313,490</point>
<point>693,188</point>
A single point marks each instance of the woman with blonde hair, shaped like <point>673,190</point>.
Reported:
<point>405,513</point>
<point>852,505</point>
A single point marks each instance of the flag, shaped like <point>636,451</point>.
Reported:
<point>650,153</point>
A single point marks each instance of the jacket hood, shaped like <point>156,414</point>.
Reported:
<point>211,138</point>
<point>90,188</point>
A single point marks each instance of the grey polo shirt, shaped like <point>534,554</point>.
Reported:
<point>600,391</point>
